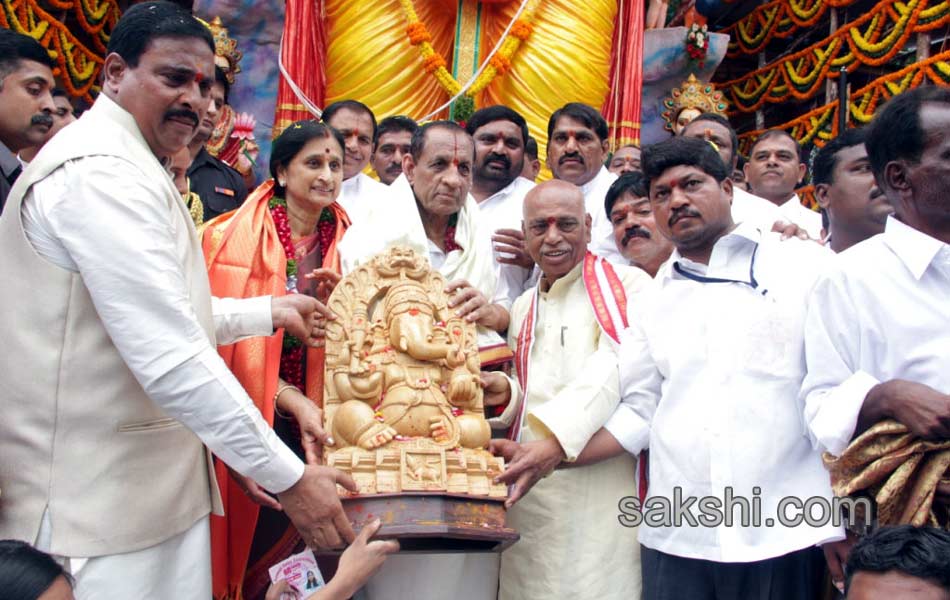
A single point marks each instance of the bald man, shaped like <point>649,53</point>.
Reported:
<point>570,518</point>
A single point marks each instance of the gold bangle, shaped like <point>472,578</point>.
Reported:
<point>281,390</point>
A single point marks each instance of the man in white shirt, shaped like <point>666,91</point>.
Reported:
<point>851,201</point>
<point>500,135</point>
<point>710,370</point>
<point>102,466</point>
<point>877,338</point>
<point>26,103</point>
<point>361,193</point>
<point>746,207</point>
<point>635,232</point>
<point>390,143</point>
<point>774,171</point>
<point>577,149</point>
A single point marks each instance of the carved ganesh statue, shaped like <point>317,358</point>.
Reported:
<point>402,398</point>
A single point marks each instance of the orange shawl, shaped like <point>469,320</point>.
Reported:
<point>245,259</point>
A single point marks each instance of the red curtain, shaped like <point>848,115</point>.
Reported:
<point>303,56</point>
<point>622,106</point>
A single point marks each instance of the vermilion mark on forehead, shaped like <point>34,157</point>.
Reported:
<point>199,77</point>
<point>551,221</point>
<point>455,152</point>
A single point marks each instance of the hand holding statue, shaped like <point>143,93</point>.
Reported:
<point>314,507</point>
<point>528,463</point>
<point>301,316</point>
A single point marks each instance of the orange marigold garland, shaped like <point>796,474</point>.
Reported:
<point>500,63</point>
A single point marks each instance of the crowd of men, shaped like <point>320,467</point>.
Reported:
<point>674,335</point>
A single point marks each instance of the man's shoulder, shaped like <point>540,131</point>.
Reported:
<point>633,278</point>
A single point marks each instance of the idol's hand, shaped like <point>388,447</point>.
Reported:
<point>301,316</point>
<point>313,506</point>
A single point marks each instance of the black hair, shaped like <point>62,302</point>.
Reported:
<point>823,165</point>
<point>353,105</point>
<point>531,148</point>
<point>717,118</point>
<point>633,182</point>
<point>498,112</point>
<point>16,47</point>
<point>771,133</point>
<point>25,572</point>
<point>392,125</point>
<point>896,133</point>
<point>145,22</point>
<point>59,93</point>
<point>292,140</point>
<point>418,143</point>
<point>587,115</point>
<point>221,77</point>
<point>920,552</point>
<point>676,151</point>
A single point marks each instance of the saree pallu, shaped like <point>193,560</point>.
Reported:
<point>897,470</point>
<point>245,258</point>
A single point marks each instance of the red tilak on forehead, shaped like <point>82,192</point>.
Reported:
<point>552,221</point>
<point>455,152</point>
<point>199,77</point>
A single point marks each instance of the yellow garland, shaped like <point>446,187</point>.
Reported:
<point>417,34</point>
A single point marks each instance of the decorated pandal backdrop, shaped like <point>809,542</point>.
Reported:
<point>415,57</point>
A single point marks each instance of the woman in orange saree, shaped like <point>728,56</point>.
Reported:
<point>290,225</point>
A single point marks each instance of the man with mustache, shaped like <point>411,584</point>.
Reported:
<point>219,187</point>
<point>393,136</point>
<point>877,331</point>
<point>361,193</point>
<point>854,205</point>
<point>561,331</point>
<point>709,369</point>
<point>429,209</point>
<point>62,116</point>
<point>500,136</point>
<point>628,206</point>
<point>774,171</point>
<point>108,413</point>
<point>577,148</point>
<point>26,105</point>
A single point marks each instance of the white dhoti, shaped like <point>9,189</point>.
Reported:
<point>179,568</point>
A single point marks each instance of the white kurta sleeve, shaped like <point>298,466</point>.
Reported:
<point>834,387</point>
<point>640,383</point>
<point>575,414</point>
<point>236,319</point>
<point>116,230</point>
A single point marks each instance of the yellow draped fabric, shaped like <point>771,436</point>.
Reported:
<point>369,57</point>
<point>566,58</point>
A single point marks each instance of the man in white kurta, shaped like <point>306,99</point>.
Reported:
<point>106,412</point>
<point>417,211</point>
<point>571,544</point>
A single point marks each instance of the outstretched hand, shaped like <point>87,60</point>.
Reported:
<point>302,316</point>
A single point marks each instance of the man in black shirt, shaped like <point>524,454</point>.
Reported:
<point>220,187</point>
